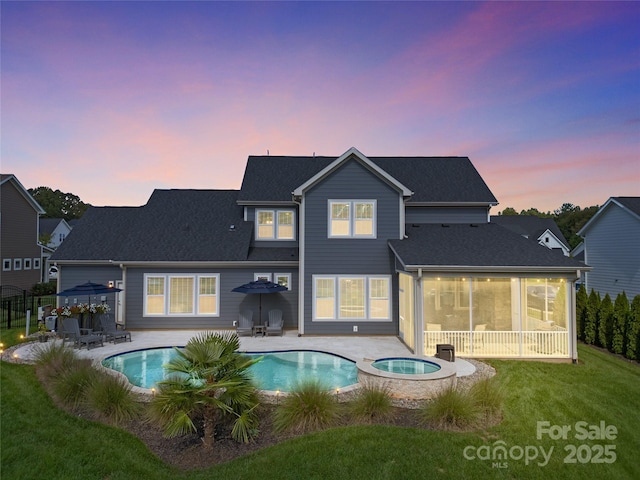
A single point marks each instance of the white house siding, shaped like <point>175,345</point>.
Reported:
<point>612,248</point>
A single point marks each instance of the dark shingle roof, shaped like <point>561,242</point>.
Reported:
<point>48,225</point>
<point>529,225</point>
<point>632,203</point>
<point>483,245</point>
<point>174,225</point>
<point>432,179</point>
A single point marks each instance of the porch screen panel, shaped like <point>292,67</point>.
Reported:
<point>325,300</point>
<point>181,295</point>
<point>155,295</point>
<point>446,303</point>
<point>406,310</point>
<point>492,303</point>
<point>207,295</point>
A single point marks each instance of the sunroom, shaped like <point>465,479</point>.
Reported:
<point>496,297</point>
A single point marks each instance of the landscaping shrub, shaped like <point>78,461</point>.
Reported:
<point>54,358</point>
<point>451,410</point>
<point>591,323</point>
<point>488,398</point>
<point>372,402</point>
<point>619,327</point>
<point>633,331</point>
<point>605,322</point>
<point>72,384</point>
<point>310,407</point>
<point>111,397</point>
<point>582,300</point>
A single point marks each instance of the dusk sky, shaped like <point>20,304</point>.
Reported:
<point>111,100</point>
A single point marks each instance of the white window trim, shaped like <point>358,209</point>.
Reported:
<point>6,264</point>
<point>352,218</point>
<point>257,276</point>
<point>36,263</point>
<point>17,264</point>
<point>276,224</point>
<point>336,295</point>
<point>26,263</point>
<point>167,290</point>
<point>288,275</point>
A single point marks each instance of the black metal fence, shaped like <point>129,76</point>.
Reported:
<point>14,304</point>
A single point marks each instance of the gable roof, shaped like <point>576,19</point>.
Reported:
<point>352,153</point>
<point>530,226</point>
<point>10,178</point>
<point>475,247</point>
<point>433,180</point>
<point>629,204</point>
<point>48,225</point>
<point>174,226</point>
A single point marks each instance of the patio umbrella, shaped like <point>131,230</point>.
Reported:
<point>260,287</point>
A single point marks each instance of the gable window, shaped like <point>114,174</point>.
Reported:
<point>275,225</point>
<point>351,297</point>
<point>6,264</point>
<point>182,295</point>
<point>352,219</point>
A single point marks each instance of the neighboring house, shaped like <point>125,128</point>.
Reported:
<point>612,248</point>
<point>20,251</point>
<point>56,228</point>
<point>366,245</point>
<point>545,231</point>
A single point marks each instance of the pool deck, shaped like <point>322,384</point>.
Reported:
<point>353,347</point>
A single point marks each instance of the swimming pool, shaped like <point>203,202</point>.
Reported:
<point>278,370</point>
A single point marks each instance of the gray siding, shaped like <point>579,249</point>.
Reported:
<point>69,276</point>
<point>446,214</point>
<point>230,302</point>
<point>323,255</point>
<point>612,249</point>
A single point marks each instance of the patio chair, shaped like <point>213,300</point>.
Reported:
<point>110,330</point>
<point>275,322</point>
<point>245,323</point>
<point>72,331</point>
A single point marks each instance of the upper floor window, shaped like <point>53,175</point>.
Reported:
<point>275,225</point>
<point>352,218</point>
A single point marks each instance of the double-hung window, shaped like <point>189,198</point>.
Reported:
<point>182,295</point>
<point>352,219</point>
<point>351,297</point>
<point>275,225</point>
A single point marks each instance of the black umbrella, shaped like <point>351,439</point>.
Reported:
<point>260,286</point>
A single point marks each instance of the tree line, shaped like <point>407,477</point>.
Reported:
<point>58,204</point>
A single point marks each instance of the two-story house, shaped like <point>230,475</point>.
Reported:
<point>365,245</point>
<point>19,249</point>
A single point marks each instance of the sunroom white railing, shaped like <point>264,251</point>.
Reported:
<point>546,343</point>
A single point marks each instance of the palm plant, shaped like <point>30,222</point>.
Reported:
<point>208,378</point>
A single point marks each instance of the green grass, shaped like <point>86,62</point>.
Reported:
<point>39,441</point>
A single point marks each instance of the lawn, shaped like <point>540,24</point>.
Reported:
<point>39,441</point>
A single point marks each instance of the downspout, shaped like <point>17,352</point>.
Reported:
<point>301,256</point>
<point>574,321</point>
<point>419,321</point>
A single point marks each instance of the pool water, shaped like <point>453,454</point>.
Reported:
<point>408,366</point>
<point>277,371</point>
